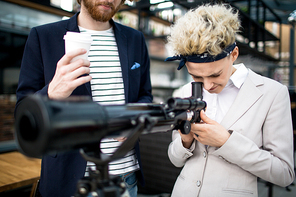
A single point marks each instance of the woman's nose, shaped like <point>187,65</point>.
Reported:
<point>207,84</point>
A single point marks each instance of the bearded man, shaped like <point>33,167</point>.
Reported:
<point>117,72</point>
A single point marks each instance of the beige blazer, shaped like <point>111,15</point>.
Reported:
<point>261,145</point>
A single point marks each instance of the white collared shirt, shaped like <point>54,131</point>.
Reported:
<point>219,104</point>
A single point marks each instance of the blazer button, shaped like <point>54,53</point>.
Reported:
<point>198,183</point>
<point>204,154</point>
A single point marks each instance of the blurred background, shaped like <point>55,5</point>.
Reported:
<point>266,43</point>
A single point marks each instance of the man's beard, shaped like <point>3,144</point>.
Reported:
<point>97,14</point>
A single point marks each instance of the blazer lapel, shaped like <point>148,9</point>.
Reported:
<point>72,24</point>
<point>122,43</point>
<point>247,96</point>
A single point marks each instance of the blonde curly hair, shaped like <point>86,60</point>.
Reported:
<point>208,28</point>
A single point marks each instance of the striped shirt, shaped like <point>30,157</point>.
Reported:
<point>108,89</point>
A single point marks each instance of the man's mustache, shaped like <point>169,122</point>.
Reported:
<point>106,4</point>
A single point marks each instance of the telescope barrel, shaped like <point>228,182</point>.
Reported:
<point>45,126</point>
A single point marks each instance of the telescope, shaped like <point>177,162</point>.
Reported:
<point>45,126</point>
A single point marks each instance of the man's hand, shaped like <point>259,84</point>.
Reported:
<point>120,139</point>
<point>209,132</point>
<point>68,75</point>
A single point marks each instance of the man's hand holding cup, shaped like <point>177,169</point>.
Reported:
<point>73,68</point>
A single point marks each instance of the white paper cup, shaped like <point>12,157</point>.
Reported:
<point>76,40</point>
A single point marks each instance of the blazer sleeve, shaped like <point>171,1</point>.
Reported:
<point>31,78</point>
<point>273,161</point>
<point>177,153</point>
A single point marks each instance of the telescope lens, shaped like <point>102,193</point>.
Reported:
<point>28,128</point>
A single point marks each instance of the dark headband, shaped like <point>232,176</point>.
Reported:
<point>202,58</point>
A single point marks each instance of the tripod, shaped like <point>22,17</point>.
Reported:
<point>99,183</point>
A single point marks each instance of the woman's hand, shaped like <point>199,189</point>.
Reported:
<point>187,139</point>
<point>209,132</point>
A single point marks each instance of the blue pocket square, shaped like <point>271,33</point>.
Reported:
<point>136,65</point>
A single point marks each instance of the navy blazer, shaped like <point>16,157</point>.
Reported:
<point>44,48</point>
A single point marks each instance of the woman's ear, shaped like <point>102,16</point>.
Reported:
<point>234,54</point>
